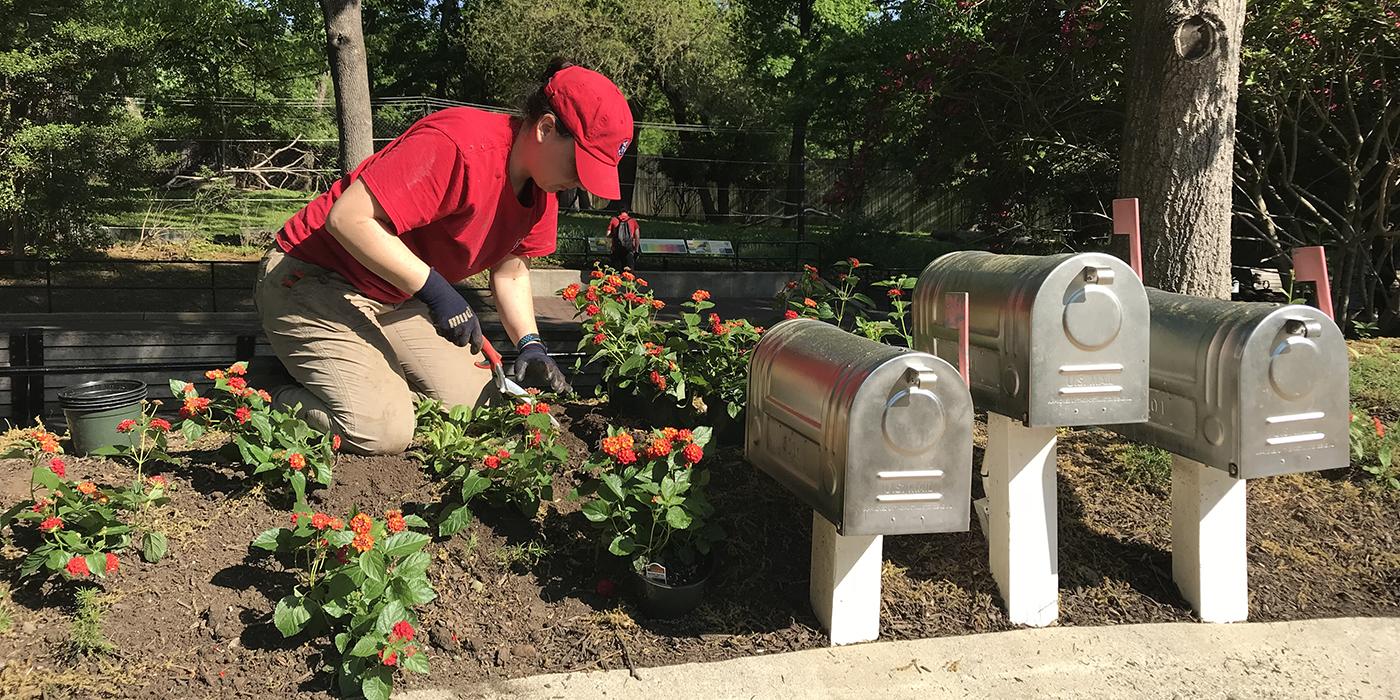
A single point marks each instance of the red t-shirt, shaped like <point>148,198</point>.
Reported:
<point>444,186</point>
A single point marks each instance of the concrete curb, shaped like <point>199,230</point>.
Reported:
<point>1346,657</point>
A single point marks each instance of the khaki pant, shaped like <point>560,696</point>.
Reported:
<point>359,361</point>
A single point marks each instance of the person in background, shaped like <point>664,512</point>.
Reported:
<point>625,239</point>
<point>356,297</point>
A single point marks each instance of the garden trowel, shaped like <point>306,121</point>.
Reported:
<point>504,384</point>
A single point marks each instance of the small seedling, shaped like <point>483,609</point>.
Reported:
<point>1146,465</point>
<point>86,635</point>
<point>526,555</point>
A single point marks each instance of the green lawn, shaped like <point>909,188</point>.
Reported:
<point>1375,377</point>
<point>250,213</point>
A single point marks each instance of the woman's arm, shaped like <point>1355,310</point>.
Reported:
<point>364,228</point>
<point>510,283</point>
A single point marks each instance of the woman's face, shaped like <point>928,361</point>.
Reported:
<point>552,167</point>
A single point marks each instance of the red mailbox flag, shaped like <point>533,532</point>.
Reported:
<point>1310,265</point>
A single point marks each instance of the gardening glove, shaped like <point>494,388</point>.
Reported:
<point>451,315</point>
<point>534,366</point>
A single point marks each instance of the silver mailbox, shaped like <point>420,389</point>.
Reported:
<point>1252,389</point>
<point>877,439</point>
<point>1058,340</point>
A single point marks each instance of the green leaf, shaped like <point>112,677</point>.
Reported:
<point>191,430</point>
<point>417,663</point>
<point>393,612</point>
<point>97,564</point>
<point>414,521</point>
<point>366,645</point>
<point>612,484</point>
<point>298,480</point>
<point>414,591</point>
<point>290,616</point>
<point>377,683</point>
<point>272,539</point>
<point>340,538</point>
<point>177,388</point>
<point>454,521</point>
<point>46,478</point>
<point>154,547</point>
<point>677,517</point>
<point>402,544</point>
<point>372,563</point>
<point>632,364</point>
<point>622,546</point>
<point>596,511</point>
<point>341,641</point>
<point>668,488</point>
<point>415,564</point>
<point>473,485</point>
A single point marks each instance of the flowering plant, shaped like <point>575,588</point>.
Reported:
<point>276,444</point>
<point>621,329</point>
<point>507,454</point>
<point>1374,447</point>
<point>838,302</point>
<point>648,500</point>
<point>360,580</point>
<point>715,355</point>
<point>79,531</point>
<point>148,443</point>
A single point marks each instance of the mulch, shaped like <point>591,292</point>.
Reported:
<point>518,596</point>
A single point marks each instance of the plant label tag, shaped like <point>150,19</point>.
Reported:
<point>655,572</point>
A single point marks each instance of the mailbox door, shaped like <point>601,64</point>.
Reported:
<point>909,458</point>
<point>1089,345</point>
<point>1294,395</point>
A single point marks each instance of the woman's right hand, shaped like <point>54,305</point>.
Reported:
<point>451,314</point>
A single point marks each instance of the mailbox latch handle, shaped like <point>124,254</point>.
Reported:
<point>1098,275</point>
<point>1306,327</point>
<point>921,377</point>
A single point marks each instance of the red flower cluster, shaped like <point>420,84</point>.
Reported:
<point>659,380</point>
<point>619,447</point>
<point>596,274</point>
<point>238,369</point>
<point>1380,427</point>
<point>523,409</point>
<point>609,289</point>
<point>541,407</point>
<point>194,405</point>
<point>570,292</point>
<point>214,374</point>
<point>809,302</point>
<point>360,525</point>
<point>599,339</point>
<point>157,480</point>
<point>699,296</point>
<point>296,461</point>
<point>658,304</point>
<point>659,447</point>
<point>112,563</point>
<point>51,524</point>
<point>161,424</point>
<point>87,488</point>
<point>895,292</point>
<point>402,630</point>
<point>48,442</point>
<point>57,466</point>
<point>242,414</point>
<point>716,326</point>
<point>590,294</point>
<point>692,453</point>
<point>389,658</point>
<point>77,567</point>
<point>237,383</point>
<point>393,520</point>
<point>335,443</point>
<point>126,426</point>
<point>790,314</point>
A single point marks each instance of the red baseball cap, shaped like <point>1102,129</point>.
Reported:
<point>593,109</point>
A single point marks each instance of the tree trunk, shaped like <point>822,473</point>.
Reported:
<point>1178,139</point>
<point>796,194</point>
<point>345,49</point>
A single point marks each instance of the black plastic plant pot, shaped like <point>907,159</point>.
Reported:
<point>660,601</point>
<point>95,409</point>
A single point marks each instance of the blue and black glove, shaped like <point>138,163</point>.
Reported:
<point>450,313</point>
<point>534,367</point>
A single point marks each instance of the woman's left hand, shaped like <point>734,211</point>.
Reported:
<point>535,367</point>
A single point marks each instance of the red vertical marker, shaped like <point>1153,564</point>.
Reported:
<point>955,305</point>
<point>1125,223</point>
<point>1310,265</point>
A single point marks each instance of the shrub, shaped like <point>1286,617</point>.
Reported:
<point>648,500</point>
<point>359,580</point>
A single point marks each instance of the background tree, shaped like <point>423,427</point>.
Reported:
<point>345,49</point>
<point>1179,137</point>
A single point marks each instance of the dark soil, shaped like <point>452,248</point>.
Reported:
<point>518,597</point>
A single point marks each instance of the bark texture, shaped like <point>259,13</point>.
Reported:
<point>1179,136</point>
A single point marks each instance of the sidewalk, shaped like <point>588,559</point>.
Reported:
<point>1349,657</point>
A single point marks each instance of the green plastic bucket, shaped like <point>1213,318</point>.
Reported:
<point>94,409</point>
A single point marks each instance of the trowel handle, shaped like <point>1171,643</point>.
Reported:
<point>493,358</point>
